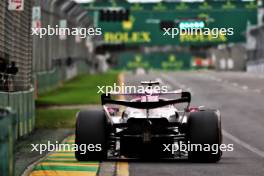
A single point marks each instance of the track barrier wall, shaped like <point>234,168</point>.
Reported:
<point>17,119</point>
<point>255,66</point>
<point>49,80</point>
<point>8,135</point>
<point>46,81</point>
<point>40,63</point>
<point>23,107</point>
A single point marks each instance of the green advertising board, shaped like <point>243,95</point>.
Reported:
<point>156,60</point>
<point>143,25</point>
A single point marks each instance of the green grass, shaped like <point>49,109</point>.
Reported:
<point>80,90</point>
<point>55,118</point>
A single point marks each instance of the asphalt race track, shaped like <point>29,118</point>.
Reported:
<point>240,98</point>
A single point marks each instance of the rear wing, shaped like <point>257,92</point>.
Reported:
<point>179,91</point>
<point>185,98</point>
<point>150,83</point>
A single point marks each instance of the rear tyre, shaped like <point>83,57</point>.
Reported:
<point>91,131</point>
<point>204,127</point>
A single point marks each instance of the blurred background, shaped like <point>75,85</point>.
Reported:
<point>132,40</point>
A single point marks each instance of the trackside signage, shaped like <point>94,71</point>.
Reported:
<point>36,17</point>
<point>147,24</point>
<point>63,24</point>
<point>126,37</point>
<point>126,33</point>
<point>142,29</point>
<point>16,5</point>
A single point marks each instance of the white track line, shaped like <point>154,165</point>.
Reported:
<point>173,82</point>
<point>226,134</point>
<point>243,144</point>
<point>245,87</point>
<point>242,87</point>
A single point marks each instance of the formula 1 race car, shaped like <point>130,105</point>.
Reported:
<point>150,126</point>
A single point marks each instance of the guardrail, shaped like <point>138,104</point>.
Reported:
<point>8,135</point>
<point>48,80</point>
<point>17,119</point>
<point>23,105</point>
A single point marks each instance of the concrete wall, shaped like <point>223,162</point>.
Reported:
<point>231,58</point>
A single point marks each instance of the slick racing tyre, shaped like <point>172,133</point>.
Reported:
<point>204,129</point>
<point>91,131</point>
